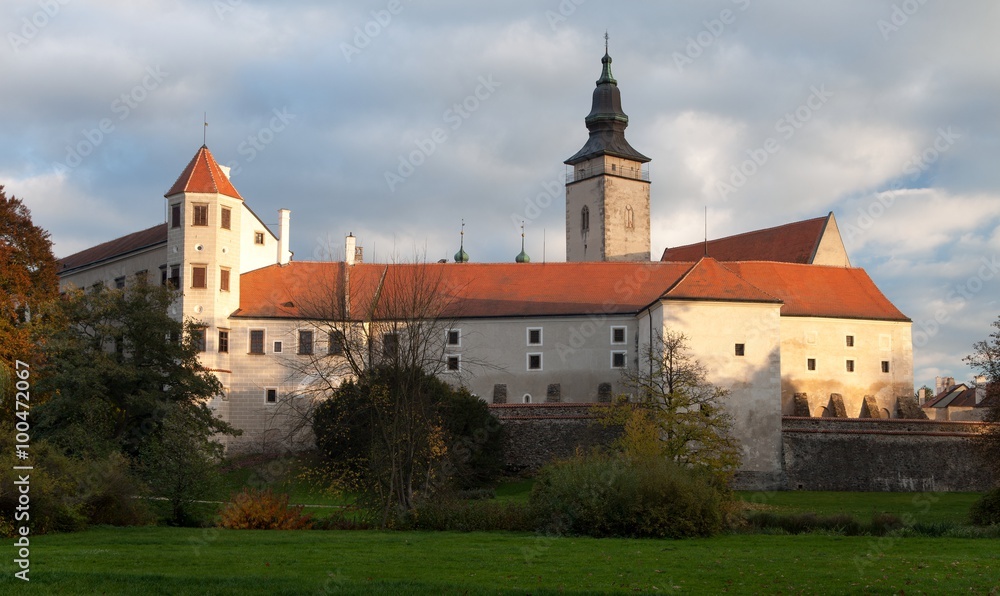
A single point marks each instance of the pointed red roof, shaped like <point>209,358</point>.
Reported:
<point>709,280</point>
<point>791,243</point>
<point>203,174</point>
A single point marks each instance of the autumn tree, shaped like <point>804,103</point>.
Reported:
<point>985,360</point>
<point>28,283</point>
<point>674,411</point>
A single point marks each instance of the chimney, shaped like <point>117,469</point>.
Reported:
<point>225,170</point>
<point>980,389</point>
<point>350,245</point>
<point>942,384</point>
<point>283,255</point>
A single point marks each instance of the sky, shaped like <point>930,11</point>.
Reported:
<point>396,120</point>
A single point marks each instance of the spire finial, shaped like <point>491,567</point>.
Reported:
<point>523,257</point>
<point>605,41</point>
<point>461,256</point>
<point>204,132</point>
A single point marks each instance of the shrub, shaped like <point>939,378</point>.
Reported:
<point>986,511</point>
<point>601,495</point>
<point>109,492</point>
<point>254,509</point>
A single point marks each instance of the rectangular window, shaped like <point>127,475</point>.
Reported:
<point>258,237</point>
<point>199,276</point>
<point>811,364</point>
<point>534,362</point>
<point>617,359</point>
<point>335,343</point>
<point>534,336</point>
<point>740,349</point>
<point>617,335</point>
<point>200,215</point>
<point>454,363</point>
<point>850,366</point>
<point>223,280</point>
<point>175,216</point>
<point>256,341</point>
<point>277,347</point>
<point>120,282</point>
<point>305,342</point>
<point>175,277</point>
<point>390,345</point>
<point>163,275</point>
<point>198,338</point>
<point>885,366</point>
<point>850,341</point>
<point>454,337</point>
<point>271,395</point>
<point>223,341</point>
<point>226,220</point>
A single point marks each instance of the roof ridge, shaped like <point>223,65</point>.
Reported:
<point>761,230</point>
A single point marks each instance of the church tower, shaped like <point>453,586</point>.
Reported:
<point>607,191</point>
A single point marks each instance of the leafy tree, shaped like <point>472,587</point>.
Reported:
<point>118,369</point>
<point>28,283</point>
<point>985,359</point>
<point>676,413</point>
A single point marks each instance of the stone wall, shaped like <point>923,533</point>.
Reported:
<point>882,455</point>
<point>540,433</point>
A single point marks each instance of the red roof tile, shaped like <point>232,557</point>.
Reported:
<point>709,280</point>
<point>308,290</point>
<point>203,174</point>
<point>820,290</point>
<point>791,243</point>
<point>115,248</point>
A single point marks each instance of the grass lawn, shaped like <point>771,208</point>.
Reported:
<point>189,561</point>
<point>923,507</point>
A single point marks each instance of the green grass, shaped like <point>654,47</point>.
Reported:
<point>189,561</point>
<point>920,507</point>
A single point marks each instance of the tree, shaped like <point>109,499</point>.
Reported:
<point>28,283</point>
<point>677,413</point>
<point>985,360</point>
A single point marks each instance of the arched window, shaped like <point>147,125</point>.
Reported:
<point>629,217</point>
<point>585,218</point>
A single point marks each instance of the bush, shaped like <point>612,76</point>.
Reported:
<point>986,511</point>
<point>601,495</point>
<point>254,509</point>
<point>109,494</point>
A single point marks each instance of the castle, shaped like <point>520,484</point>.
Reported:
<point>778,316</point>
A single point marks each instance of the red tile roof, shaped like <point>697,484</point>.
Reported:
<point>115,248</point>
<point>709,280</point>
<point>791,243</point>
<point>820,290</point>
<point>203,174</point>
<point>308,289</point>
<point>963,396</point>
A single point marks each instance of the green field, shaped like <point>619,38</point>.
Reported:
<point>190,561</point>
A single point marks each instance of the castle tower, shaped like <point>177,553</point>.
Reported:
<point>607,191</point>
<point>204,221</point>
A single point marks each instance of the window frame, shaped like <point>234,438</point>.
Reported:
<point>199,339</point>
<point>175,215</point>
<point>223,341</point>
<point>306,348</point>
<point>849,341</point>
<point>194,276</point>
<point>199,215</point>
<point>268,393</point>
<point>390,339</point>
<point>541,337</point>
<point>225,273</point>
<point>457,333</point>
<point>740,350</point>
<point>849,365</point>
<point>527,361</point>
<point>886,367</point>
<point>448,358</point>
<point>250,341</point>
<point>226,218</point>
<point>277,347</point>
<point>624,330</point>
<point>624,356</point>
<point>258,238</point>
<point>335,341</point>
<point>811,364</point>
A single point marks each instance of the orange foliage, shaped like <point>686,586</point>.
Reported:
<point>254,509</point>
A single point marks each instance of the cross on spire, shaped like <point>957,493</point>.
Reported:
<point>605,41</point>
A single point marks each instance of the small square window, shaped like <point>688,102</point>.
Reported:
<point>198,339</point>
<point>200,215</point>
<point>277,347</point>
<point>617,359</point>
<point>534,362</point>
<point>810,364</point>
<point>258,237</point>
<point>271,396</point>
<point>335,343</point>
<point>199,276</point>
<point>223,280</point>
<point>256,341</point>
<point>120,283</point>
<point>617,335</point>
<point>740,349</point>
<point>850,341</point>
<point>226,220</point>
<point>885,366</point>
<point>850,366</point>
<point>175,216</point>
<point>454,337</point>
<point>534,336</point>
<point>454,363</point>
<point>223,341</point>
<point>305,342</point>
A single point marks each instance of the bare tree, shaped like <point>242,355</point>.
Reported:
<point>985,359</point>
<point>680,414</point>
